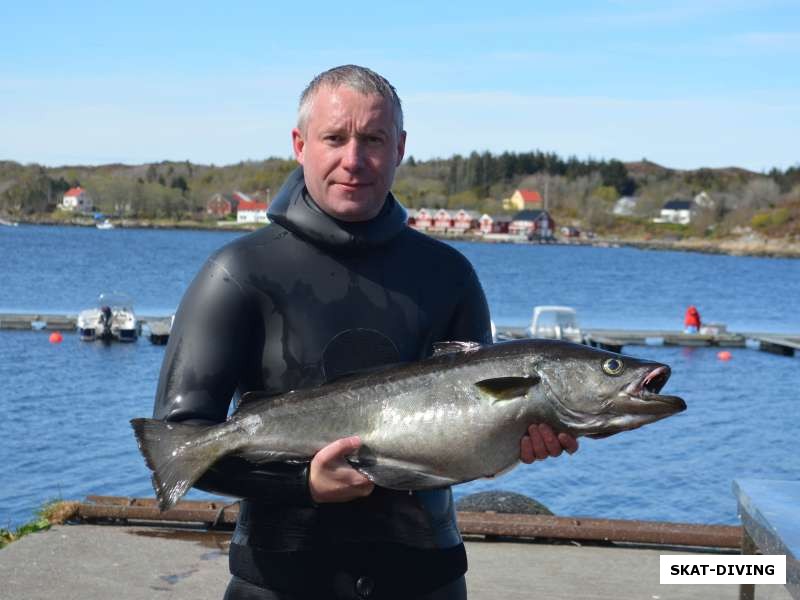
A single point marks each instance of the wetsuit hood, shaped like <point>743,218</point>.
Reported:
<point>295,210</point>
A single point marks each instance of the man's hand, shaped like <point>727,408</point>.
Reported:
<point>541,442</point>
<point>332,479</point>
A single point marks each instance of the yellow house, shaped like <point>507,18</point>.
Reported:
<point>523,199</point>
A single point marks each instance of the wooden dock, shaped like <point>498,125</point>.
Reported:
<point>157,329</point>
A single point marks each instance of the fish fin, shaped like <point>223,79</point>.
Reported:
<point>440,348</point>
<point>506,388</point>
<point>396,474</point>
<point>176,454</point>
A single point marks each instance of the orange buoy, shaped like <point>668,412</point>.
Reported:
<point>724,355</point>
<point>56,337</point>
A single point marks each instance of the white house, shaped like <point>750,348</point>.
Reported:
<point>625,206</point>
<point>675,211</point>
<point>76,199</point>
<point>251,212</point>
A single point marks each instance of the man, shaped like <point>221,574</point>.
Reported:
<point>336,284</point>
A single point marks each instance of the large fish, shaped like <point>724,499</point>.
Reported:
<point>454,417</point>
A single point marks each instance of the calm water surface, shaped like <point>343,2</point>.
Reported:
<point>64,431</point>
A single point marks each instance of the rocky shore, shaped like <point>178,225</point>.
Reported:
<point>751,244</point>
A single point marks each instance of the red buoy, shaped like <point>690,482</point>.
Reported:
<point>56,337</point>
<point>724,355</point>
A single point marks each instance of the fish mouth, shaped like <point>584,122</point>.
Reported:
<point>641,403</point>
<point>645,397</point>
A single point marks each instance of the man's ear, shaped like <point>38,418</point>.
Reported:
<point>401,147</point>
<point>298,145</point>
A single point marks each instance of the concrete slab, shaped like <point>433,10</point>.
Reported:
<point>97,562</point>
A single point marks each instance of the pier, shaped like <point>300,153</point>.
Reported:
<point>157,329</point>
<point>615,340</point>
<point>124,548</point>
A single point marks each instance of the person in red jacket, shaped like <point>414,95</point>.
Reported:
<point>691,322</point>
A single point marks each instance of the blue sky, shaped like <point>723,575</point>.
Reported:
<point>686,84</point>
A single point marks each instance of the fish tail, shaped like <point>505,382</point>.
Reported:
<point>176,453</point>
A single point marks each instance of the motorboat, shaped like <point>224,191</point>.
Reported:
<point>7,223</point>
<point>105,224</point>
<point>113,319</point>
<point>556,323</point>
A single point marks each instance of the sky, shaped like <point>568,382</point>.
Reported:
<point>686,84</point>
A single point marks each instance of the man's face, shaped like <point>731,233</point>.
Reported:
<point>349,152</point>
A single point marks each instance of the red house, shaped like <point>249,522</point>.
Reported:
<point>442,220</point>
<point>421,219</point>
<point>494,224</point>
<point>532,223</point>
<point>219,206</point>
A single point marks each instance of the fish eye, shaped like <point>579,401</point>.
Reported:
<point>613,366</point>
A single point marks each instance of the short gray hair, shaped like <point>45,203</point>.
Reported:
<point>360,79</point>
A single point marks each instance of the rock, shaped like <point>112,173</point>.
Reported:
<point>502,502</point>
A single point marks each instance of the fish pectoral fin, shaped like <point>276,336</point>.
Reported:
<point>507,388</point>
<point>399,475</point>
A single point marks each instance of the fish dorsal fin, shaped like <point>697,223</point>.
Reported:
<point>440,348</point>
<point>506,388</point>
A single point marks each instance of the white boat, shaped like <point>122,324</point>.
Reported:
<point>105,224</point>
<point>113,319</point>
<point>8,223</point>
<point>555,323</point>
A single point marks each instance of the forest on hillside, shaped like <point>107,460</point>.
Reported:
<point>582,191</point>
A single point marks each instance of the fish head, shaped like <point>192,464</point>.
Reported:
<point>597,393</point>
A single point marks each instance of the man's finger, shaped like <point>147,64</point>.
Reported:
<point>537,443</point>
<point>568,442</point>
<point>339,449</point>
<point>526,450</point>
<point>550,441</point>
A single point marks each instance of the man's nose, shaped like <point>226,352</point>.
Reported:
<point>353,157</point>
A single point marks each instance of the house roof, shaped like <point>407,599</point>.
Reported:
<point>530,215</point>
<point>497,218</point>
<point>678,205</point>
<point>76,191</point>
<point>530,195</point>
<point>241,197</point>
<point>244,205</point>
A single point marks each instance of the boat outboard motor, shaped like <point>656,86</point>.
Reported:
<point>105,322</point>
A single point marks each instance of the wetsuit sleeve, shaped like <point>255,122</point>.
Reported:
<point>213,337</point>
<point>470,321</point>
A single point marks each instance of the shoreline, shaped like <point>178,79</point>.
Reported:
<point>749,245</point>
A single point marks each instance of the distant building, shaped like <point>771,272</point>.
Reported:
<point>523,199</point>
<point>421,219</point>
<point>251,212</point>
<point>675,211</point>
<point>442,220</point>
<point>625,206</point>
<point>536,223</point>
<point>219,206</point>
<point>494,223</point>
<point>465,220</point>
<point>704,201</point>
<point>76,199</point>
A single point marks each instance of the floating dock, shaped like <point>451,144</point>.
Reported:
<point>615,339</point>
<point>157,329</point>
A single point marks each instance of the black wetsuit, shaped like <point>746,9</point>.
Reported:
<point>298,303</point>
